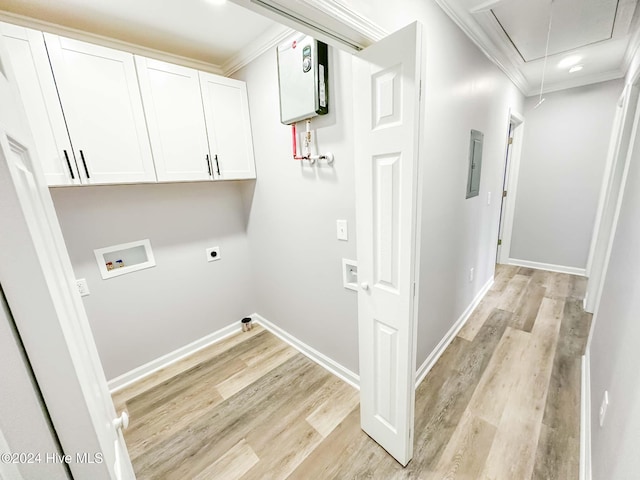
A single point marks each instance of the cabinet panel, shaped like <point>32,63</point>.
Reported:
<point>173,108</point>
<point>39,96</point>
<point>101,101</point>
<point>226,110</point>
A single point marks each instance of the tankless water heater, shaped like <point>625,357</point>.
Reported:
<point>302,76</point>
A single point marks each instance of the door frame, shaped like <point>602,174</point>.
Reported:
<point>620,149</point>
<point>511,173</point>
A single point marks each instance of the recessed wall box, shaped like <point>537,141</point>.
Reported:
<point>302,77</point>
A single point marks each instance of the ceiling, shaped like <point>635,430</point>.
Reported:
<point>599,35</point>
<point>194,29</point>
<point>602,34</point>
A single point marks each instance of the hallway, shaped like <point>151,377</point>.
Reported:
<point>503,402</point>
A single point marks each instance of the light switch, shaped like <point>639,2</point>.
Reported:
<point>342,230</point>
<point>488,198</point>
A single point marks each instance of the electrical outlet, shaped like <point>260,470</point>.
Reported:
<point>342,230</point>
<point>83,287</point>
<point>603,407</point>
<point>471,272</point>
<point>213,254</point>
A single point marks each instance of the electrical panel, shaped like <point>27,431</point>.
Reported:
<point>302,77</point>
<point>475,163</point>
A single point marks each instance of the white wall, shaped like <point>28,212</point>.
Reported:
<point>143,315</point>
<point>614,353</point>
<point>295,257</point>
<point>24,424</point>
<point>563,158</point>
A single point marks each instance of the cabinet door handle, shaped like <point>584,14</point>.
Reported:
<point>86,170</point>
<point>217,164</point>
<point>208,164</point>
<point>66,156</point>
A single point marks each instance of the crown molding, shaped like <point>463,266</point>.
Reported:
<point>270,39</point>
<point>359,23</point>
<point>579,82</point>
<point>81,35</point>
<point>472,28</point>
<point>330,21</point>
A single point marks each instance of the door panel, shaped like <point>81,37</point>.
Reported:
<point>387,118</point>
<point>101,101</point>
<point>40,98</point>
<point>173,108</point>
<point>226,110</point>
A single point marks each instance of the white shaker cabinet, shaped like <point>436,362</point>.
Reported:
<point>37,88</point>
<point>175,118</point>
<point>99,92</point>
<point>226,110</point>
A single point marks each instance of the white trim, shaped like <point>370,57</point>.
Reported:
<point>580,81</point>
<point>76,34</point>
<point>164,361</point>
<point>548,266</point>
<point>270,39</point>
<point>513,174</point>
<point>465,21</point>
<point>325,362</point>
<point>585,418</point>
<point>331,21</point>
<point>451,334</point>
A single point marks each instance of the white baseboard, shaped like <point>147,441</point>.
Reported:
<point>321,359</point>
<point>451,334</point>
<point>585,419</point>
<point>147,369</point>
<point>548,266</point>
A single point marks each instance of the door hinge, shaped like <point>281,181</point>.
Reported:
<point>414,289</point>
<point>510,140</point>
<point>504,193</point>
<point>499,242</point>
<point>420,91</point>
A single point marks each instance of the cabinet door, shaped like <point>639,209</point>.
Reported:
<point>101,101</point>
<point>40,99</point>
<point>226,111</point>
<point>173,108</point>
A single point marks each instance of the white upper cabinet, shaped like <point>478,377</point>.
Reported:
<point>101,101</point>
<point>226,110</point>
<point>39,96</point>
<point>173,107</point>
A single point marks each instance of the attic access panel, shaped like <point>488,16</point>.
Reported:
<point>576,23</point>
<point>475,163</point>
<point>302,78</point>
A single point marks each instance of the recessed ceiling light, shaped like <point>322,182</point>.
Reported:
<point>569,61</point>
<point>576,68</point>
<point>217,2</point>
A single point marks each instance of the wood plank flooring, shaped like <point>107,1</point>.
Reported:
<point>501,403</point>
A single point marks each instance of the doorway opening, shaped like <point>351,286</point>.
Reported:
<point>509,185</point>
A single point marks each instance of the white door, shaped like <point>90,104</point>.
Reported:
<point>226,109</point>
<point>39,285</point>
<point>101,101</point>
<point>387,119</point>
<point>40,98</point>
<point>173,108</point>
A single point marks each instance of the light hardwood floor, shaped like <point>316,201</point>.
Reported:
<point>501,403</point>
